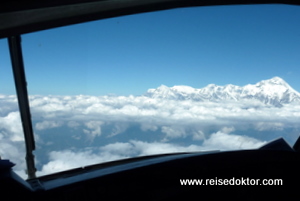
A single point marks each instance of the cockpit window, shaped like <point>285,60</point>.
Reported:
<point>181,80</point>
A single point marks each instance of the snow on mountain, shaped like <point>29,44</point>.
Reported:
<point>274,91</point>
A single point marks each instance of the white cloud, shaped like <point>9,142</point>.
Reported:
<point>198,135</point>
<point>223,141</point>
<point>93,129</point>
<point>48,124</point>
<point>148,126</point>
<point>263,126</point>
<point>227,129</point>
<point>173,131</point>
<point>9,103</point>
<point>15,152</point>
<point>152,148</point>
<point>11,126</point>
<point>120,149</point>
<point>67,159</point>
<point>118,128</point>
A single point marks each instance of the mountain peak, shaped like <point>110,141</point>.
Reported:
<point>163,87</point>
<point>274,91</point>
<point>275,85</point>
<point>183,88</point>
<point>277,79</point>
<point>274,81</point>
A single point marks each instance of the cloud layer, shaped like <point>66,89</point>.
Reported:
<point>163,126</point>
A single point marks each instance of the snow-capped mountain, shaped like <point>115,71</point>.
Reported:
<point>274,91</point>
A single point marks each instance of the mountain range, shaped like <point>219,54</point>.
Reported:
<point>274,92</point>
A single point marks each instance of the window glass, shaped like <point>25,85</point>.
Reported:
<point>181,80</point>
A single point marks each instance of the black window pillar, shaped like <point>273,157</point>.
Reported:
<point>21,89</point>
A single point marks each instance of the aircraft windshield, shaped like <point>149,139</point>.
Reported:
<point>181,80</point>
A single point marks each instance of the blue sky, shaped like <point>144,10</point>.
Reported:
<point>128,55</point>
